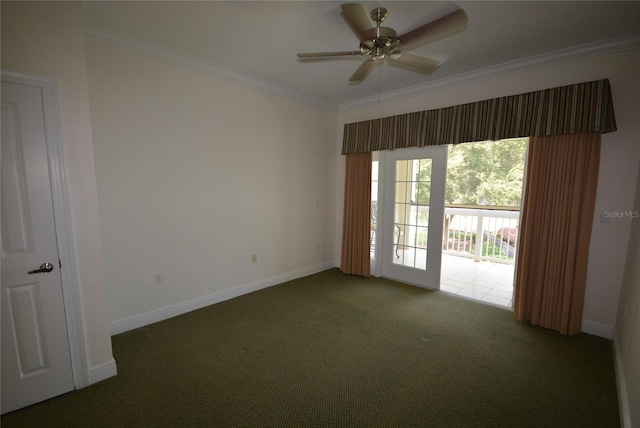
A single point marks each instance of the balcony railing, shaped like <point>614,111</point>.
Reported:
<point>481,234</point>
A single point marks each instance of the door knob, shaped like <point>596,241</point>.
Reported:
<point>44,268</point>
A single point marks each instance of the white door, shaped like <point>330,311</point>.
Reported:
<point>36,362</point>
<point>413,216</point>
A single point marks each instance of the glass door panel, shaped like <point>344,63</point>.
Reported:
<point>415,215</point>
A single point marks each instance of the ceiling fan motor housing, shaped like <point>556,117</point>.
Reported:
<point>380,41</point>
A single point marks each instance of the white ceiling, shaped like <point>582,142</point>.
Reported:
<point>255,42</point>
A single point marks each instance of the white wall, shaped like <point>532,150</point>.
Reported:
<point>618,167</point>
<point>627,339</point>
<point>195,174</point>
<point>48,38</point>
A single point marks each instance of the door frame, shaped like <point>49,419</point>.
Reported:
<point>380,241</point>
<point>62,217</point>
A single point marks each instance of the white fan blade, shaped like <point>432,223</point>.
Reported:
<point>362,71</point>
<point>357,19</point>
<point>418,64</point>
<point>435,30</point>
<point>321,56</point>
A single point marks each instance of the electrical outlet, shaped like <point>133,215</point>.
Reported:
<point>254,258</point>
<point>157,279</point>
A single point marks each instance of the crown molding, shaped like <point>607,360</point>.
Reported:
<point>510,67</point>
<point>109,37</point>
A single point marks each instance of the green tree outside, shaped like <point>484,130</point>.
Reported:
<point>486,173</point>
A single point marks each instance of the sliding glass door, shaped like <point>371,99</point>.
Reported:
<point>412,224</point>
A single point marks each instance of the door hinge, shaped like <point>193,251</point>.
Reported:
<point>60,264</point>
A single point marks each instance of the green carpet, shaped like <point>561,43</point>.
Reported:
<point>331,350</point>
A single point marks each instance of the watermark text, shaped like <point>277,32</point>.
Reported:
<point>620,214</point>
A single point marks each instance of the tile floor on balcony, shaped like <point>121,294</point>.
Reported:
<point>484,281</point>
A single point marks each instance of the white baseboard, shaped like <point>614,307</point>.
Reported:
<point>102,372</point>
<point>161,314</point>
<point>623,398</point>
<point>596,329</point>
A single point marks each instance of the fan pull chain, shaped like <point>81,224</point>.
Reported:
<point>379,82</point>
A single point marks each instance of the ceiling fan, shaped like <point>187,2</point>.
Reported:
<point>378,43</point>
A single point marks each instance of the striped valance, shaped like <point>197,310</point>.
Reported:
<point>583,107</point>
